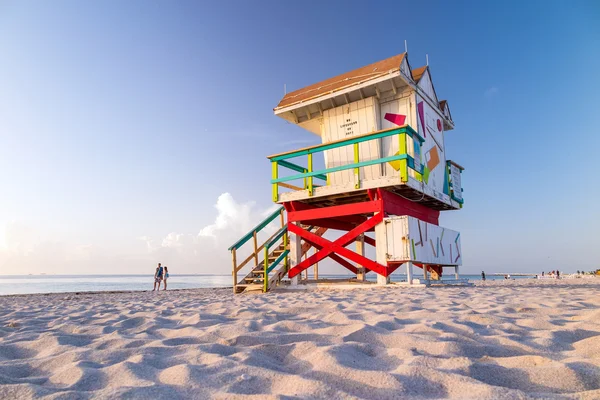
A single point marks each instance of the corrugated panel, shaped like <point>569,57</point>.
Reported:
<point>409,239</point>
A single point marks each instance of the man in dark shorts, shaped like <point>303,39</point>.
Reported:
<point>158,276</point>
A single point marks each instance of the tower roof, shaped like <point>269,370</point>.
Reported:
<point>418,73</point>
<point>355,77</point>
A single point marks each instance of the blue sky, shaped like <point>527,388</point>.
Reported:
<point>123,124</point>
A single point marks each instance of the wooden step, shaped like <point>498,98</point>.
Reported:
<point>250,287</point>
<point>253,278</point>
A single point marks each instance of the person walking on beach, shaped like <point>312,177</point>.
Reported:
<point>482,275</point>
<point>165,277</point>
<point>158,276</point>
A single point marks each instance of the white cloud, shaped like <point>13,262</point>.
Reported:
<point>491,92</point>
<point>27,251</point>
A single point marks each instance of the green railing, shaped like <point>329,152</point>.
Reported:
<point>282,257</point>
<point>257,249</point>
<point>401,161</point>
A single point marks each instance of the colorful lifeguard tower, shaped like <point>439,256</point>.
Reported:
<point>385,171</point>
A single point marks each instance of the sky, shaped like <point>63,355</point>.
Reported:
<point>137,132</point>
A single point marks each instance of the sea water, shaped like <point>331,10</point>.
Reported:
<point>26,284</point>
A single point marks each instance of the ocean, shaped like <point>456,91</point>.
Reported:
<point>27,284</point>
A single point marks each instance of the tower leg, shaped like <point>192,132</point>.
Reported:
<point>380,251</point>
<point>456,272</point>
<point>381,259</point>
<point>316,268</point>
<point>425,277</point>
<point>409,273</point>
<point>360,249</point>
<point>295,255</point>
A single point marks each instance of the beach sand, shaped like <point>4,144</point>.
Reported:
<point>497,340</point>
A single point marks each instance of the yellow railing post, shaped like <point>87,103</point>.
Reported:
<point>310,178</point>
<point>285,244</point>
<point>266,277</point>
<point>255,249</point>
<point>357,169</point>
<point>274,173</point>
<point>233,258</point>
<point>403,163</point>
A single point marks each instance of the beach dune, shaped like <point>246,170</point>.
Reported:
<point>497,340</point>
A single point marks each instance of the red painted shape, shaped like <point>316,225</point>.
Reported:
<point>336,211</point>
<point>397,205</point>
<point>397,119</point>
<point>337,246</point>
<point>439,125</point>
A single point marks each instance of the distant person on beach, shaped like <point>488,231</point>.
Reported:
<point>482,276</point>
<point>158,276</point>
<point>557,274</point>
<point>165,277</point>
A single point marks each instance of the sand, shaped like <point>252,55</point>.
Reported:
<point>502,340</point>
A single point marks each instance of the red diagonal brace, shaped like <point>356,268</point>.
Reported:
<point>334,257</point>
<point>337,246</point>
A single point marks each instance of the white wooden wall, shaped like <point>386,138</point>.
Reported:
<point>357,118</point>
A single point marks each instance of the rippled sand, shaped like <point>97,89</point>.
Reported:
<point>503,340</point>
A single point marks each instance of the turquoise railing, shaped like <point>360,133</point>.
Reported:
<point>256,229</point>
<point>282,257</point>
<point>257,249</point>
<point>401,161</point>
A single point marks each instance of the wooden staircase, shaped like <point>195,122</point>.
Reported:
<point>255,280</point>
<point>274,265</point>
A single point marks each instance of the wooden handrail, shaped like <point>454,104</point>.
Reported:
<point>251,256</point>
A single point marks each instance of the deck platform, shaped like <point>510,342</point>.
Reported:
<point>326,196</point>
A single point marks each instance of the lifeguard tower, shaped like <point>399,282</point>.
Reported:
<point>384,180</point>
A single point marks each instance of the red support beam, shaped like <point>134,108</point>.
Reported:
<point>366,207</point>
<point>398,205</point>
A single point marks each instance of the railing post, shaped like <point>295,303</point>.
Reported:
<point>310,178</point>
<point>255,249</point>
<point>266,276</point>
<point>233,257</point>
<point>356,170</point>
<point>274,175</point>
<point>285,244</point>
<point>403,150</point>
